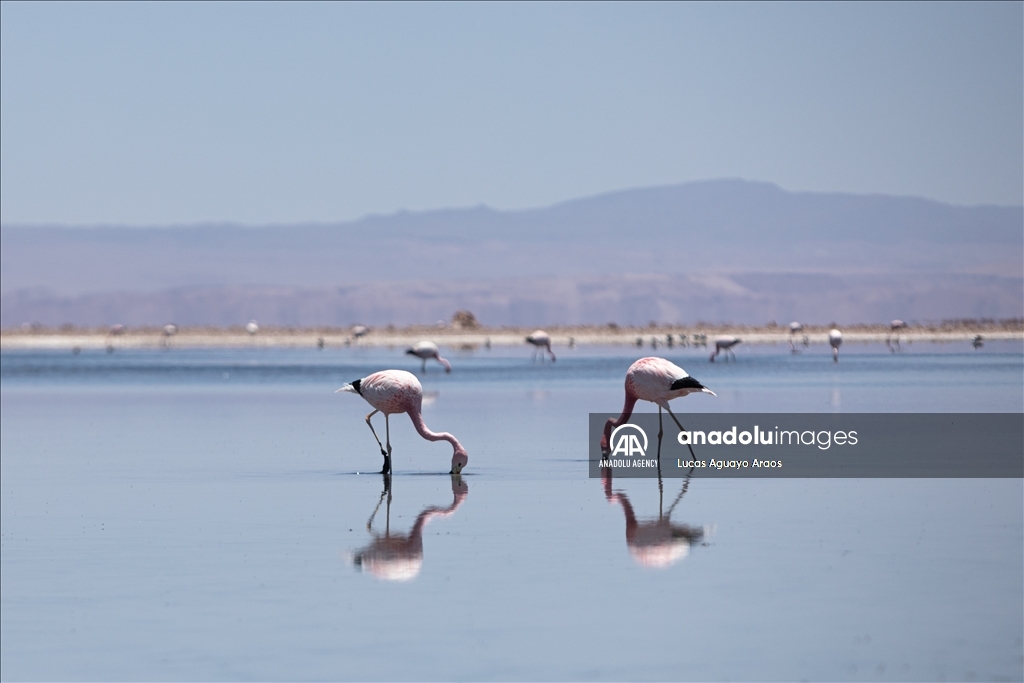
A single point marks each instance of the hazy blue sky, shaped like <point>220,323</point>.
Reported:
<point>175,113</point>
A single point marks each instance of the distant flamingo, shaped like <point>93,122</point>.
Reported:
<point>252,327</point>
<point>114,331</point>
<point>541,340</point>
<point>894,330</point>
<point>170,329</point>
<point>725,344</point>
<point>428,349</point>
<point>398,391</point>
<point>658,381</point>
<point>794,327</point>
<point>835,338</point>
<point>399,557</point>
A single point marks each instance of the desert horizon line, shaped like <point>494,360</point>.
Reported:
<point>222,223</point>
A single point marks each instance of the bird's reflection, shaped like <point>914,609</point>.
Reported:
<point>396,556</point>
<point>654,543</point>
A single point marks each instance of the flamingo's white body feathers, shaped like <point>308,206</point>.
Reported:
<point>835,339</point>
<point>651,379</point>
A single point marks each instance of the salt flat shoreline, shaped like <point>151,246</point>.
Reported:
<point>278,337</point>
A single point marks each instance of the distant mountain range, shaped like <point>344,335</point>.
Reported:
<point>716,251</point>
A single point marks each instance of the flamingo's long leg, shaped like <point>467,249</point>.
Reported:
<point>660,433</point>
<point>387,432</point>
<point>370,424</point>
<point>681,428</point>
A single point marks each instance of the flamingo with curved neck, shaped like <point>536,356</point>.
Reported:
<point>725,344</point>
<point>541,342</point>
<point>398,391</point>
<point>425,350</point>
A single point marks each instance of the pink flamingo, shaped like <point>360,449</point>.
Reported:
<point>399,557</point>
<point>725,344</point>
<point>428,349</point>
<point>658,381</point>
<point>541,340</point>
<point>398,391</point>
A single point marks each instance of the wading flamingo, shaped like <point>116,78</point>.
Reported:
<point>725,344</point>
<point>835,338</point>
<point>170,329</point>
<point>114,331</point>
<point>794,327</point>
<point>428,349</point>
<point>658,381</point>
<point>398,391</point>
<point>894,331</point>
<point>541,341</point>
<point>399,557</point>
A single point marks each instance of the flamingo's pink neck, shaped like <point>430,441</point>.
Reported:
<point>627,410</point>
<point>424,431</point>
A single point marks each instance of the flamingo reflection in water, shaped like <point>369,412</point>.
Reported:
<point>655,543</point>
<point>396,556</point>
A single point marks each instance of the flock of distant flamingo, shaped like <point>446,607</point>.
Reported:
<point>649,379</point>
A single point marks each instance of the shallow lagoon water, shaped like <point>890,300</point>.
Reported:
<point>196,515</point>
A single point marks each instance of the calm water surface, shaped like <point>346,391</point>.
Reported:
<point>203,515</point>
